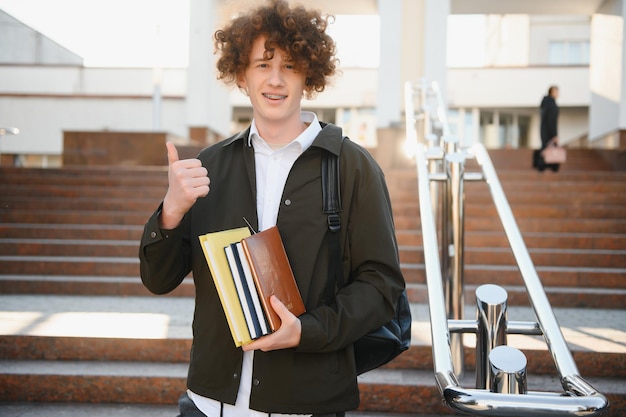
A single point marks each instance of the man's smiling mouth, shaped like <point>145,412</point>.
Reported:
<point>274,96</point>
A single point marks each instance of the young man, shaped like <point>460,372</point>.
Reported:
<point>270,174</point>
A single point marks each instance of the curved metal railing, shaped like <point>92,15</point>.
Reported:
<point>500,385</point>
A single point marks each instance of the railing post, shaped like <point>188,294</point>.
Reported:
<point>491,332</point>
<point>507,370</point>
<point>452,244</point>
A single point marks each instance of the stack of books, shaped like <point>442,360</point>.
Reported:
<point>247,270</point>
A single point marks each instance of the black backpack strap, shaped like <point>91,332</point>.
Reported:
<point>331,200</point>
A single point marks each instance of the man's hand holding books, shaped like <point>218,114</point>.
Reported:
<point>287,336</point>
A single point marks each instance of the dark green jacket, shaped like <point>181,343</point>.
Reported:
<point>318,376</point>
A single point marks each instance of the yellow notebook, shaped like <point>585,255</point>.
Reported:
<point>213,245</point>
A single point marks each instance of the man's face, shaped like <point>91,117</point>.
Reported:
<point>274,86</point>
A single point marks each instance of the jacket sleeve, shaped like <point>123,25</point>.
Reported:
<point>372,270</point>
<point>164,259</point>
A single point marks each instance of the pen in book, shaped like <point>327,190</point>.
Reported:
<point>249,226</point>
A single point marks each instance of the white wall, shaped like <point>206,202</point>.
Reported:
<point>42,120</point>
<point>507,40</point>
<point>38,79</point>
<point>43,101</point>
<point>516,87</point>
<point>544,29</point>
<point>607,76</point>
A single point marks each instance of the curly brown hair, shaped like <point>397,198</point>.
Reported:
<point>299,32</point>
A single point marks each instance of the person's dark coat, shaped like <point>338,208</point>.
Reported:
<point>319,375</point>
<point>549,111</point>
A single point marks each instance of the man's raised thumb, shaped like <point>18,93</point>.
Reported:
<point>172,153</point>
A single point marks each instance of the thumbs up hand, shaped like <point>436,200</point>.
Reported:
<point>188,180</point>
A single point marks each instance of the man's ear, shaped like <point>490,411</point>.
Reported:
<point>241,82</point>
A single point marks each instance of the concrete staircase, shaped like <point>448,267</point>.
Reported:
<point>78,329</point>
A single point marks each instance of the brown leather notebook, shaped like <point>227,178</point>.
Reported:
<point>272,273</point>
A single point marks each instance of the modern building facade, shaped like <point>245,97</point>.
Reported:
<point>516,51</point>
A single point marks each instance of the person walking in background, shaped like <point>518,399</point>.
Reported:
<point>270,174</point>
<point>549,111</point>
<point>549,117</point>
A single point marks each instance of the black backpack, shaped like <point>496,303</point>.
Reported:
<point>390,340</point>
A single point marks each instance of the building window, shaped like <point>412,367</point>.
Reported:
<point>569,53</point>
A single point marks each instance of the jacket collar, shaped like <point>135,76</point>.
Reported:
<point>241,135</point>
<point>329,138</point>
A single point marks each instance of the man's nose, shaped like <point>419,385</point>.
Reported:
<point>276,76</point>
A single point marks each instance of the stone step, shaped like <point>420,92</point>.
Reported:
<point>578,192</point>
<point>70,231</point>
<point>536,240</point>
<point>505,173</point>
<point>97,175</point>
<point>591,364</point>
<point>578,198</point>
<point>64,247</point>
<point>565,235</point>
<point>104,203</point>
<point>410,237</point>
<point>143,177</point>
<point>158,328</point>
<point>526,225</point>
<point>388,390</point>
<point>556,225</point>
<point>600,258</point>
<point>29,409</point>
<point>608,192</point>
<point>70,265</point>
<point>61,409</point>
<point>516,190</point>
<point>578,159</point>
<point>398,173</point>
<point>111,217</point>
<point>83,191</point>
<point>403,176</point>
<point>510,275</point>
<point>84,285</point>
<point>577,209</point>
<point>562,296</point>
<point>539,239</point>
<point>413,272</point>
<point>506,161</point>
<point>561,209</point>
<point>556,257</point>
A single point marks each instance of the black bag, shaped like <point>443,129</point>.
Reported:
<point>390,340</point>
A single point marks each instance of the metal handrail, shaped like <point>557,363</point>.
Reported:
<point>580,398</point>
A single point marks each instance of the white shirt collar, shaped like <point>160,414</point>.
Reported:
<point>305,139</point>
